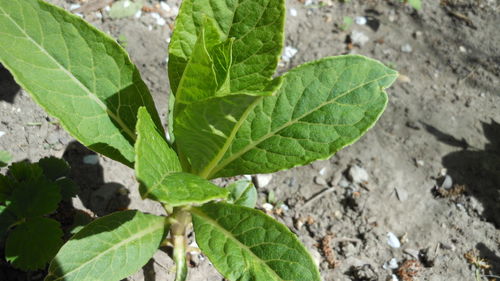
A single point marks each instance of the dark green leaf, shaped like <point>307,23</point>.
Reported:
<point>243,193</point>
<point>109,248</point>
<point>54,168</point>
<point>67,187</point>
<point>76,73</point>
<point>32,244</point>
<point>35,198</point>
<point>25,171</point>
<point>7,218</point>
<point>246,244</point>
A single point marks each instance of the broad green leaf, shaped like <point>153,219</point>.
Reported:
<point>7,218</point>
<point>246,244</point>
<point>32,244</point>
<point>35,197</point>
<point>109,248</point>
<point>76,73</point>
<point>24,171</point>
<point>54,168</point>
<point>257,29</point>
<point>5,158</point>
<point>204,130</point>
<point>321,107</point>
<point>243,193</point>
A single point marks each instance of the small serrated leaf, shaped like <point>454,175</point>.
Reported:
<point>54,168</point>
<point>246,244</point>
<point>242,193</point>
<point>32,244</point>
<point>33,198</point>
<point>24,171</point>
<point>109,248</point>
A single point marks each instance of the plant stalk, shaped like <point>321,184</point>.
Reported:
<point>178,232</point>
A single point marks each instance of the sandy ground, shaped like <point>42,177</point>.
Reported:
<point>443,119</point>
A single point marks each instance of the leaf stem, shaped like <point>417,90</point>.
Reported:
<point>182,219</point>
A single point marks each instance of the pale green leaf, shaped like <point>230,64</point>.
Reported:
<point>257,29</point>
<point>125,8</point>
<point>5,158</point>
<point>243,193</point>
<point>246,244</point>
<point>110,248</point>
<point>32,244</point>
<point>321,107</point>
<point>417,4</point>
<point>76,73</point>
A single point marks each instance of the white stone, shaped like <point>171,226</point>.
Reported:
<point>262,180</point>
<point>447,182</point>
<point>2,133</point>
<point>293,12</point>
<point>392,240</point>
<point>165,6</point>
<point>394,277</point>
<point>74,7</point>
<point>267,207</point>
<point>406,48</point>
<point>126,3</point>
<point>138,14</point>
<point>462,49</point>
<point>92,159</point>
<point>358,174</point>
<point>360,20</point>
<point>288,53</point>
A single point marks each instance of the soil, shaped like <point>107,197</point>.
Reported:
<point>442,121</point>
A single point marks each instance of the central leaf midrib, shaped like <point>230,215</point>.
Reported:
<point>136,236</point>
<point>230,235</point>
<point>231,158</point>
<point>72,77</point>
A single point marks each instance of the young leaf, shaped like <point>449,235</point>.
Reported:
<point>54,168</point>
<point>109,248</point>
<point>33,198</point>
<point>32,244</point>
<point>243,193</point>
<point>5,158</point>
<point>246,244</point>
<point>257,29</point>
<point>76,73</point>
<point>321,107</point>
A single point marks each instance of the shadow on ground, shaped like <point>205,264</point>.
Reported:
<point>478,170</point>
<point>8,87</point>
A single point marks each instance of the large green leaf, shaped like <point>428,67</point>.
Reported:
<point>246,244</point>
<point>76,73</point>
<point>32,244</point>
<point>257,29</point>
<point>110,248</point>
<point>321,107</point>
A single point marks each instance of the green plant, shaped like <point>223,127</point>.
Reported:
<point>28,193</point>
<point>5,158</point>
<point>416,4</point>
<point>228,116</point>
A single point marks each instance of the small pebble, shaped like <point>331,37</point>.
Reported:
<point>462,49</point>
<point>2,133</point>
<point>357,174</point>
<point>447,182</point>
<point>412,252</point>
<point>360,20</point>
<point>92,159</point>
<point>165,6</point>
<point>394,277</point>
<point>74,7</point>
<point>293,12</point>
<point>392,264</point>
<point>392,240</point>
<point>406,48</point>
<point>267,207</point>
<point>158,18</point>
<point>138,14</point>
<point>320,180</point>
<point>344,183</point>
<point>359,38</point>
<point>289,53</point>
<point>262,180</point>
<point>420,163</point>
<point>284,207</point>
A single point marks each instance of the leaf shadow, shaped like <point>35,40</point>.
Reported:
<point>478,170</point>
<point>8,87</point>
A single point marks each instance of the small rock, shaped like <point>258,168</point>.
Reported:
<point>365,273</point>
<point>74,7</point>
<point>158,18</point>
<point>413,125</point>
<point>293,12</point>
<point>2,133</point>
<point>392,240</point>
<point>394,277</point>
<point>418,34</point>
<point>360,20</point>
<point>138,14</point>
<point>289,53</point>
<point>447,246</point>
<point>91,159</point>
<point>323,171</point>
<point>392,264</point>
<point>268,207</point>
<point>462,49</point>
<point>443,172</point>
<point>284,207</point>
<point>406,48</point>
<point>344,183</point>
<point>401,194</point>
<point>165,6</point>
<point>320,181</point>
<point>349,250</point>
<point>419,163</point>
<point>357,174</point>
<point>359,38</point>
<point>262,180</point>
<point>447,182</point>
